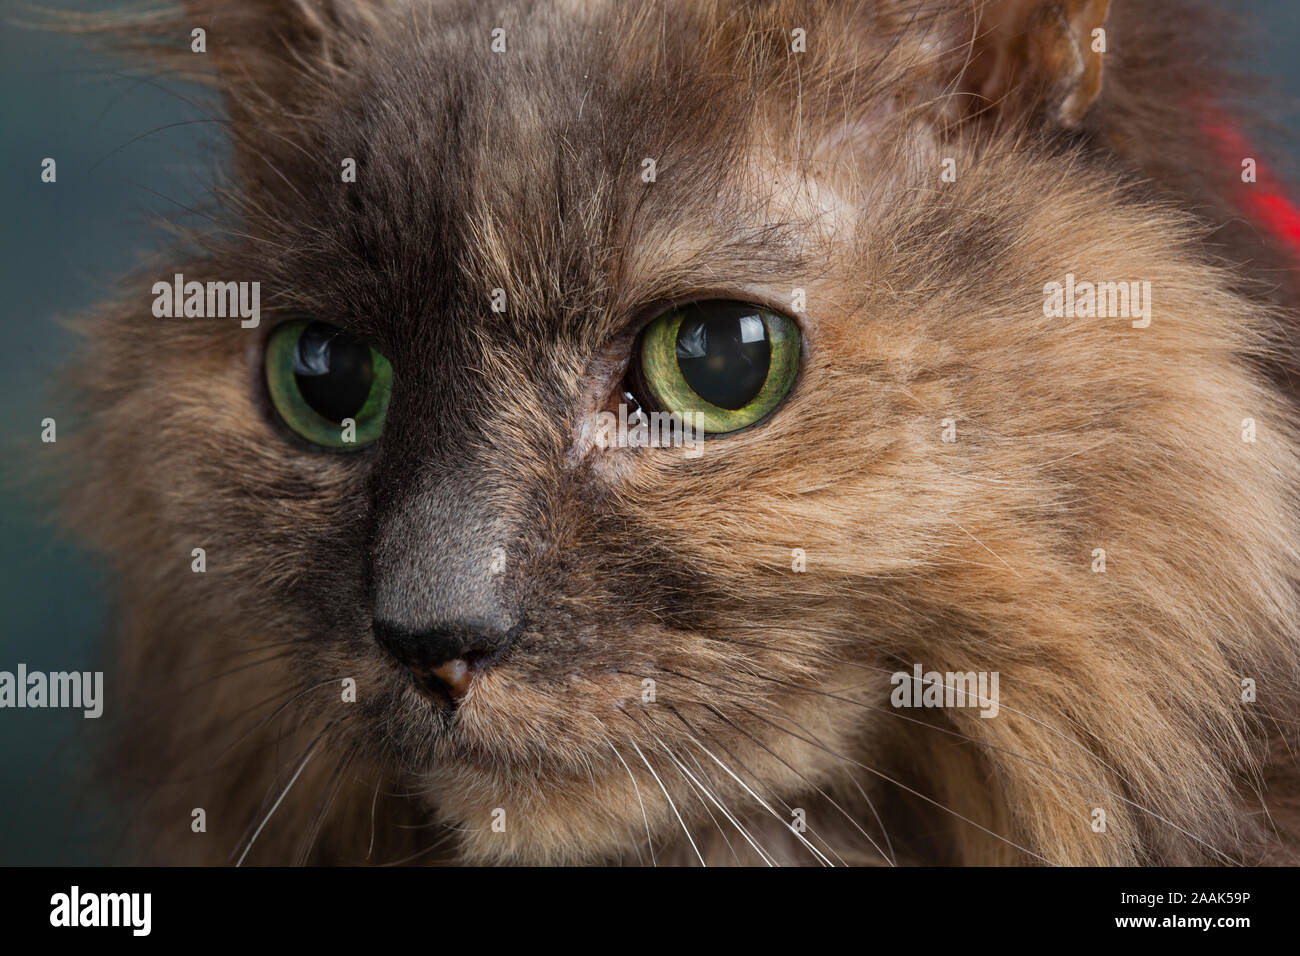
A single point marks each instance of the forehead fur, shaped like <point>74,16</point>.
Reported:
<point>523,171</point>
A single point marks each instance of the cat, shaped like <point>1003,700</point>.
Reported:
<point>403,574</point>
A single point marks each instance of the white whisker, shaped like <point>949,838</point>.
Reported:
<point>669,799</point>
<point>283,793</point>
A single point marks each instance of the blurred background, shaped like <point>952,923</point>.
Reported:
<point>131,147</point>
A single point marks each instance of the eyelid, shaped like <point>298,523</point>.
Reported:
<point>751,295</point>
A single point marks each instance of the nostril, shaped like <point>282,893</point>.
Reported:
<point>454,673</point>
<point>443,660</point>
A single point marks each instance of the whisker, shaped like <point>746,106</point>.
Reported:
<point>763,803</point>
<point>704,797</point>
<point>691,731</point>
<point>649,843</point>
<point>297,773</point>
<point>685,830</point>
<point>819,790</point>
<point>374,805</point>
<point>736,823</point>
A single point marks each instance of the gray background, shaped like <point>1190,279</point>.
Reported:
<point>129,149</point>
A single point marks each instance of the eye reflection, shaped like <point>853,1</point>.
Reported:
<point>724,355</point>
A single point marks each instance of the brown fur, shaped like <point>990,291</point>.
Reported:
<point>1120,690</point>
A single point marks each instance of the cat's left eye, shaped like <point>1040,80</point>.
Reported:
<point>727,363</point>
<point>328,386</point>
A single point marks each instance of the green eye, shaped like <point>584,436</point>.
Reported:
<point>318,375</point>
<point>729,362</point>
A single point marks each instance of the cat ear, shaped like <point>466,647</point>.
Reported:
<point>1040,59</point>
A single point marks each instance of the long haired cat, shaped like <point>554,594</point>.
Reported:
<point>968,532</point>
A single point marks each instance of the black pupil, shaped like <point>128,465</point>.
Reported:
<point>333,370</point>
<point>723,351</point>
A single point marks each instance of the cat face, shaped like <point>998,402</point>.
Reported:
<point>570,648</point>
<point>616,607</point>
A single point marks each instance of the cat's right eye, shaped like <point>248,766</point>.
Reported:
<point>327,385</point>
